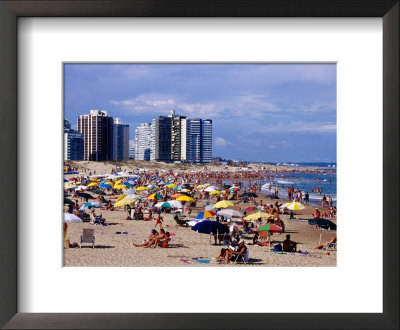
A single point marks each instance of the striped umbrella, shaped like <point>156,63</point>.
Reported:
<point>205,214</point>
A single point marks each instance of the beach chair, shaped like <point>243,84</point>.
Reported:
<point>88,237</point>
<point>241,258</point>
<point>331,246</point>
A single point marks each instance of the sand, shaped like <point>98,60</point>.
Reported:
<point>117,250</point>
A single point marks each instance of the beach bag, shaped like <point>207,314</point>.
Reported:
<point>278,247</point>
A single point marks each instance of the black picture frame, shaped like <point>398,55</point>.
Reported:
<point>388,10</point>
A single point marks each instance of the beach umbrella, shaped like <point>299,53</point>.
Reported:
<point>125,201</point>
<point>141,188</point>
<point>68,201</point>
<point>171,185</point>
<point>81,188</point>
<point>86,206</point>
<point>105,185</point>
<point>152,196</point>
<point>210,188</point>
<point>323,223</point>
<point>175,203</point>
<point>201,186</point>
<point>185,190</point>
<point>251,208</point>
<point>223,205</point>
<point>249,194</point>
<point>210,227</point>
<point>226,186</point>
<point>185,199</point>
<point>194,222</point>
<point>65,180</point>
<point>151,186</point>
<point>270,228</point>
<point>294,206</point>
<point>262,215</point>
<point>205,214</point>
<point>85,195</point>
<point>230,213</point>
<point>214,192</point>
<point>93,184</point>
<point>68,217</point>
<point>68,186</point>
<point>98,192</point>
<point>127,184</point>
<point>121,197</point>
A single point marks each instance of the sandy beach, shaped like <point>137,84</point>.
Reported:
<point>187,247</point>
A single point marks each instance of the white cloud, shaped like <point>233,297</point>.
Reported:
<point>221,142</point>
<point>281,145</point>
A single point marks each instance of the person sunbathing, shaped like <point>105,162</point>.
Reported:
<point>161,241</point>
<point>333,240</point>
<point>229,255</point>
<point>153,235</point>
<point>288,245</point>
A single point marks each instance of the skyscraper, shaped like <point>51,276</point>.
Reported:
<point>121,140</point>
<point>176,136</point>
<point>97,130</point>
<point>161,146</point>
<point>206,143</point>
<point>143,141</point>
<point>73,143</point>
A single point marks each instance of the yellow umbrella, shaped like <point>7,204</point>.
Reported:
<point>262,215</point>
<point>171,185</point>
<point>294,206</point>
<point>141,188</point>
<point>119,181</point>
<point>124,202</point>
<point>215,192</point>
<point>185,199</point>
<point>119,186</point>
<point>92,184</point>
<point>120,197</point>
<point>223,204</point>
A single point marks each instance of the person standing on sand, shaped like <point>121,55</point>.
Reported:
<point>307,197</point>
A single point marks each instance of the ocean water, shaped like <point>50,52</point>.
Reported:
<point>303,181</point>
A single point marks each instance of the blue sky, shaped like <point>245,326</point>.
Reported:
<point>260,112</point>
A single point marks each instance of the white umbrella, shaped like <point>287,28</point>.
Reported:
<point>210,188</point>
<point>230,213</point>
<point>81,188</point>
<point>68,217</point>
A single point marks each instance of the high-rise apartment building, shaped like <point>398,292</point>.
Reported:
<point>73,143</point>
<point>176,136</point>
<point>121,140</point>
<point>132,149</point>
<point>161,139</point>
<point>206,143</point>
<point>143,141</point>
<point>97,129</point>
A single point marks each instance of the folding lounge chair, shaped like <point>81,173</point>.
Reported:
<point>87,237</point>
<point>331,246</point>
<point>242,258</point>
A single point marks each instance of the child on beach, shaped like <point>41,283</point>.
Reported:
<point>159,221</point>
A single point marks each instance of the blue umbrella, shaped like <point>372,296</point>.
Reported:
<point>65,180</point>
<point>103,185</point>
<point>210,227</point>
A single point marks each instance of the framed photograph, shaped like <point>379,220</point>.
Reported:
<point>223,103</point>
